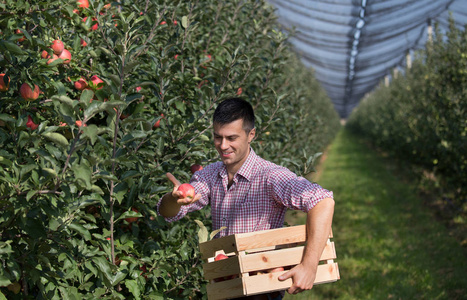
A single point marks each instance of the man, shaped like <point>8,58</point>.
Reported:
<point>248,193</point>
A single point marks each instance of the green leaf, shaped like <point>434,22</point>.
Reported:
<point>5,161</point>
<point>117,278</point>
<point>185,22</point>
<point>81,230</point>
<point>86,96</point>
<point>56,137</point>
<point>84,173</point>
<point>213,234</point>
<point>91,132</point>
<point>13,48</point>
<point>2,296</point>
<point>103,265</point>
<point>202,232</point>
<point>133,287</point>
<point>129,214</point>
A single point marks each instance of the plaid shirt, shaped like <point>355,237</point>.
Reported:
<point>257,200</point>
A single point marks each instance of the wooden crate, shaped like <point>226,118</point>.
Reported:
<point>249,253</point>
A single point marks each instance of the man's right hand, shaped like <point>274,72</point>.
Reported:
<point>173,201</point>
<point>177,196</point>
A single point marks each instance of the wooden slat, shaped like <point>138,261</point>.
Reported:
<point>222,268</point>
<point>280,258</point>
<point>225,289</point>
<point>265,238</point>
<point>255,240</point>
<point>269,282</point>
<point>209,248</point>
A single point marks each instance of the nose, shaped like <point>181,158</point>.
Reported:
<point>224,145</point>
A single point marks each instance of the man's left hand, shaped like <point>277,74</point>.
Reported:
<point>302,277</point>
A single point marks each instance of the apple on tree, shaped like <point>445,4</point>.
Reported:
<point>27,93</point>
<point>30,123</point>
<point>158,122</point>
<point>83,3</point>
<point>4,83</point>
<point>57,47</point>
<point>194,168</point>
<point>132,219</point>
<point>81,84</point>
<point>66,56</point>
<point>96,83</point>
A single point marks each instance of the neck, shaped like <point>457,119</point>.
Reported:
<point>233,169</point>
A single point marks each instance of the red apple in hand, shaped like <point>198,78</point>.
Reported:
<point>187,190</point>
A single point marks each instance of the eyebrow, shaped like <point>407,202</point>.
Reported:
<point>229,136</point>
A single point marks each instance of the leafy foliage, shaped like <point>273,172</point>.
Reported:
<point>421,117</point>
<point>78,192</point>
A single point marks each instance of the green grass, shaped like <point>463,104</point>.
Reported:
<point>389,245</point>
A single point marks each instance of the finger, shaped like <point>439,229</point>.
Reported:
<point>174,180</point>
<point>286,276</point>
<point>186,201</point>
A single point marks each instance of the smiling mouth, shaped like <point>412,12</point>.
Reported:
<point>226,154</point>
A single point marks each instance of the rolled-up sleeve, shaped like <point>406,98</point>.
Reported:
<point>295,192</point>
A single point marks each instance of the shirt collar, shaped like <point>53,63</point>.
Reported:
<point>247,169</point>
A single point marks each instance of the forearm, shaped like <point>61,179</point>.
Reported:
<point>318,226</point>
<point>169,206</point>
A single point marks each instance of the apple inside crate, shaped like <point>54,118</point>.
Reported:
<point>250,263</point>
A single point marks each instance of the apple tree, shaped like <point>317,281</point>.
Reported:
<point>129,98</point>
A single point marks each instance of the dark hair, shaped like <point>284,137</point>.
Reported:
<point>234,109</point>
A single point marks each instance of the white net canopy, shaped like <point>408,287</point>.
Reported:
<point>353,44</point>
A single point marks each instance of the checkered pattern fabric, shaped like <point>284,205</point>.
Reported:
<point>257,200</point>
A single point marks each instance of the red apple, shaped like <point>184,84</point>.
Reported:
<point>163,23</point>
<point>83,3</point>
<point>30,123</point>
<point>83,43</point>
<point>132,219</point>
<point>66,56</point>
<point>95,82</point>
<point>57,47</point>
<point>4,85</point>
<point>27,93</point>
<point>51,60</point>
<point>239,91</point>
<point>187,190</point>
<point>95,25</point>
<point>81,84</point>
<point>195,168</point>
<point>138,88</point>
<point>20,32</point>
<point>80,123</point>
<point>158,123</point>
<point>45,54</point>
<point>175,22</point>
<point>220,256</point>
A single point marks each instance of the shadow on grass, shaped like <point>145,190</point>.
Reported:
<point>389,245</point>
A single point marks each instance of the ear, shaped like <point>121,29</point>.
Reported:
<point>251,135</point>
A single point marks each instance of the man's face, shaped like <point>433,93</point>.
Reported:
<point>232,143</point>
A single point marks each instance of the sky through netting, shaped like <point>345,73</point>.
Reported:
<point>353,44</point>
